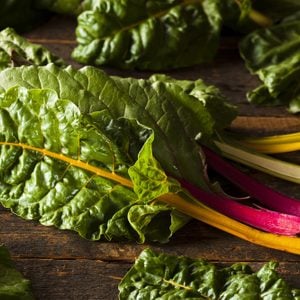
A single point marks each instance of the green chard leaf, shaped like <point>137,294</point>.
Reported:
<point>273,54</point>
<point>13,286</point>
<point>63,169</point>
<point>16,51</point>
<point>175,110</point>
<point>41,184</point>
<point>148,34</point>
<point>162,276</point>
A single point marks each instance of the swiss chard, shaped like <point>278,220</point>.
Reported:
<point>162,276</point>
<point>13,285</point>
<point>32,146</point>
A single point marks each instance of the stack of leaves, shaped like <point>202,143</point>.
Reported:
<point>13,285</point>
<point>273,54</point>
<point>162,276</point>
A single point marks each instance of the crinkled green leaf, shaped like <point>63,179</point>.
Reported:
<point>155,35</point>
<point>53,182</point>
<point>162,276</point>
<point>13,286</point>
<point>273,54</point>
<point>148,34</point>
<point>178,111</point>
<point>16,51</point>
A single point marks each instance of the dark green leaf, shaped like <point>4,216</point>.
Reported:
<point>148,34</point>
<point>162,276</point>
<point>13,286</point>
<point>16,51</point>
<point>273,54</point>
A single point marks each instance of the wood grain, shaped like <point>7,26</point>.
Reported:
<point>61,265</point>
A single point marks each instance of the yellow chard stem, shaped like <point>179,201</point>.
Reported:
<point>274,144</point>
<point>186,205</point>
<point>74,162</point>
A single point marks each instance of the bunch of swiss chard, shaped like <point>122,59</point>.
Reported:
<point>100,155</point>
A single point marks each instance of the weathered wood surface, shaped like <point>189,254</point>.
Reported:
<point>61,265</point>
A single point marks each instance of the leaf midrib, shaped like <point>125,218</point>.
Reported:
<point>182,286</point>
<point>74,162</point>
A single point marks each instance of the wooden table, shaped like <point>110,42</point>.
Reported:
<point>61,265</point>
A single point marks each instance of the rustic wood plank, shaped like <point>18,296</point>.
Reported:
<point>28,239</point>
<point>72,279</point>
<point>261,125</point>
